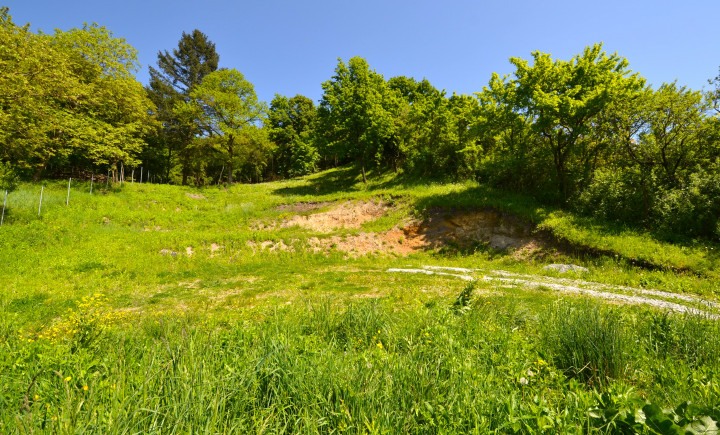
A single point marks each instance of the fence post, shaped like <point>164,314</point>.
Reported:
<point>141,171</point>
<point>2,219</point>
<point>92,180</point>
<point>42,189</point>
<point>67,201</point>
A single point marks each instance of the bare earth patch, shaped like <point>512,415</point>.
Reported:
<point>214,248</point>
<point>303,207</point>
<point>269,245</point>
<point>345,215</point>
<point>195,196</point>
<point>440,229</point>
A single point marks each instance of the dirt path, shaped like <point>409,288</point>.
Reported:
<point>598,290</point>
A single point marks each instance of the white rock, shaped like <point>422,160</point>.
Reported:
<point>562,268</point>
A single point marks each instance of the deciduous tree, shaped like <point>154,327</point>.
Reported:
<point>564,97</point>
<point>226,105</point>
<point>356,120</point>
<point>69,95</point>
<point>292,126</point>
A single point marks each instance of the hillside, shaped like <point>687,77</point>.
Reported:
<point>324,305</point>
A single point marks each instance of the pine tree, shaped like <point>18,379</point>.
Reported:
<point>178,73</point>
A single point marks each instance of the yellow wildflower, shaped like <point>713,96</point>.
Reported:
<point>68,379</point>
<point>85,387</point>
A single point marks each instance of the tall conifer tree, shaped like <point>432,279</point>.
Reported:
<point>177,74</point>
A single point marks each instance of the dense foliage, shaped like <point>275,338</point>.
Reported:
<point>587,133</point>
<point>70,102</point>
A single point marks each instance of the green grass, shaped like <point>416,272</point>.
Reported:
<point>234,339</point>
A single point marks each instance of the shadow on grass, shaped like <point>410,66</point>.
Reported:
<point>482,197</point>
<point>349,179</point>
<point>345,179</point>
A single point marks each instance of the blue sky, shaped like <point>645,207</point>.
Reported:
<point>291,47</point>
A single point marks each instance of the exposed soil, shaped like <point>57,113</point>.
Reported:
<point>345,215</point>
<point>303,207</point>
<point>441,228</point>
<point>214,248</point>
<point>268,245</point>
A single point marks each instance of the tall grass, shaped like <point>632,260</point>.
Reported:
<point>233,340</point>
<point>587,341</point>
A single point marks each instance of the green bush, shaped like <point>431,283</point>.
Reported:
<point>615,195</point>
<point>8,177</point>
<point>694,208</point>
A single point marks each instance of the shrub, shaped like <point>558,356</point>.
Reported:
<point>8,177</point>
<point>694,208</point>
<point>615,195</point>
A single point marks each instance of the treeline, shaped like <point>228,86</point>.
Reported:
<point>587,133</point>
<point>69,102</point>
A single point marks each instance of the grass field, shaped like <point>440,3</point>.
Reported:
<point>162,309</point>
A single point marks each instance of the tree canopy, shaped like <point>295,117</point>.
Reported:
<point>356,120</point>
<point>178,73</point>
<point>69,98</point>
<point>225,105</point>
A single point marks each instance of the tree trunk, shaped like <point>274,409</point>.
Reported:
<point>646,206</point>
<point>560,170</point>
<point>362,165</point>
<point>38,173</point>
<point>185,173</point>
<point>39,170</point>
<point>230,162</point>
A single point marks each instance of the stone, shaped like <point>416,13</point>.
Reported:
<point>563,268</point>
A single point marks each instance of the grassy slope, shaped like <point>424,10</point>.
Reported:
<point>111,243</point>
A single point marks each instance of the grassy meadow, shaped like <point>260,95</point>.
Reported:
<point>162,309</point>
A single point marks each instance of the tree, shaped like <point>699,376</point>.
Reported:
<point>71,95</point>
<point>354,117</point>
<point>115,107</point>
<point>292,128</point>
<point>35,80</point>
<point>177,75</point>
<point>504,133</point>
<point>676,133</point>
<point>715,94</point>
<point>226,105</point>
<point>564,98</point>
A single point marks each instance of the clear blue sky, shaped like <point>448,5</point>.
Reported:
<point>291,47</point>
